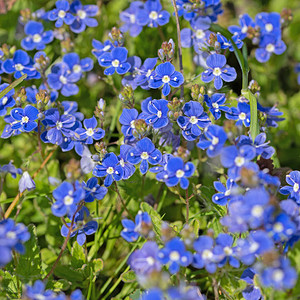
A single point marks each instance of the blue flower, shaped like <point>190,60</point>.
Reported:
<point>24,119</point>
<point>128,168</point>
<point>272,115</point>
<point>127,119</point>
<point>62,78</point>
<point>133,230</point>
<point>82,226</point>
<point>175,255</point>
<point>155,112</point>
<point>12,237</point>
<point>36,37</point>
<point>77,65</point>
<point>83,16</point>
<point>217,72</point>
<point>101,48</point>
<point>20,64</point>
<point>144,72</point>
<point>267,46</point>
<point>251,292</point>
<point>213,140</point>
<point>241,113</point>
<point>67,197</point>
<point>144,261</point>
<point>26,183</point>
<point>161,170</point>
<point>194,120</point>
<point>109,168</point>
<point>90,132</point>
<point>216,104</point>
<point>153,15</point>
<point>165,76</point>
<point>234,158</point>
<point>245,23</point>
<point>135,63</point>
<point>144,152</point>
<point>130,18</point>
<point>93,190</point>
<point>70,108</point>
<point>179,172</point>
<point>38,290</point>
<point>281,276</point>
<point>60,14</point>
<point>32,91</point>
<point>7,100</point>
<point>225,192</point>
<point>153,294</point>
<point>11,169</point>
<point>58,126</point>
<point>226,44</point>
<point>269,24</point>
<point>293,179</point>
<point>116,60</point>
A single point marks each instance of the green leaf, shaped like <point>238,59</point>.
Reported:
<point>69,273</point>
<point>60,285</point>
<point>155,217</point>
<point>8,283</point>
<point>12,85</point>
<point>29,265</point>
<point>78,257</point>
<point>128,276</point>
<point>97,265</point>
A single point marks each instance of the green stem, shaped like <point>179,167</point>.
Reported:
<point>13,85</point>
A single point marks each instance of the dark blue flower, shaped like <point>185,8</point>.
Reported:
<point>67,197</point>
<point>24,119</point>
<point>101,48</point>
<point>127,119</point>
<point>61,14</point>
<point>144,152</point>
<point>11,169</point>
<point>245,23</point>
<point>133,230</point>
<point>195,118</point>
<point>226,44</point>
<point>83,16</point>
<point>38,290</point>
<point>36,37</point>
<point>241,114</point>
<point>293,179</point>
<point>269,24</point>
<point>77,65</point>
<point>225,192</point>
<point>32,91</point>
<point>109,168</point>
<point>93,190</point>
<point>144,72</point>
<point>155,112</point>
<point>116,60</point>
<point>129,80</point>
<point>272,115</point>
<point>82,226</point>
<point>165,76</point>
<point>161,170</point>
<point>7,100</point>
<point>216,104</point>
<point>20,64</point>
<point>179,172</point>
<point>128,168</point>
<point>213,139</point>
<point>90,132</point>
<point>251,292</point>
<point>217,72</point>
<point>175,255</point>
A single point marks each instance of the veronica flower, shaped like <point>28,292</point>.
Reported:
<point>217,72</point>
<point>36,37</point>
<point>226,44</point>
<point>241,114</point>
<point>76,64</point>
<point>116,60</point>
<point>245,23</point>
<point>165,76</point>
<point>61,14</point>
<point>127,119</point>
<point>293,190</point>
<point>7,100</point>
<point>252,291</point>
<point>128,168</point>
<point>216,104</point>
<point>24,119</point>
<point>144,72</point>
<point>26,183</point>
<point>101,48</point>
<point>224,192</point>
<point>93,190</point>
<point>269,24</point>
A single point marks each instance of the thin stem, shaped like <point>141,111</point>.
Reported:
<point>179,45</point>
<point>187,206</point>
<point>63,248</point>
<point>215,286</point>
<point>16,200</point>
<point>121,199</point>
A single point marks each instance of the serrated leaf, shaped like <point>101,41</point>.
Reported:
<point>97,265</point>
<point>8,283</point>
<point>29,264</point>
<point>70,274</point>
<point>128,276</point>
<point>78,257</point>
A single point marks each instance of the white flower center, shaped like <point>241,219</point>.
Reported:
<point>132,18</point>
<point>132,124</point>
<point>11,235</point>
<point>159,114</point>
<point>110,170</point>
<point>270,48</point>
<point>207,254</point>
<point>150,260</point>
<point>77,68</point>
<point>239,161</point>
<point>36,38</point>
<point>62,14</point>
<point>166,79</point>
<point>244,29</point>
<point>217,71</point>
<point>215,140</point>
<point>200,34</point>
<point>215,105</point>
<point>148,73</point>
<point>122,162</point>
<point>277,275</point>
<point>257,211</point>
<point>296,187</point>
<point>19,67</point>
<point>115,63</point>
<point>81,14</point>
<point>253,247</point>
<point>278,227</point>
<point>227,193</point>
<point>269,27</point>
<point>242,116</point>
<point>4,100</point>
<point>174,255</point>
<point>153,15</point>
<point>68,200</point>
<point>63,79</point>
<point>144,155</point>
<point>25,119</point>
<point>59,125</point>
<point>90,132</point>
<point>106,48</point>
<point>228,250</point>
<point>179,173</point>
<point>193,120</point>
